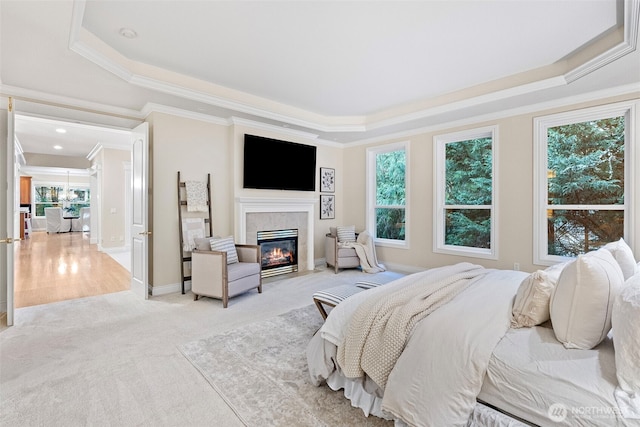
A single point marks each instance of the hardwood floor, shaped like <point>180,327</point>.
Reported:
<point>57,267</point>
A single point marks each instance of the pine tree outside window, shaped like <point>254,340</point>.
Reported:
<point>582,166</point>
<point>465,214</point>
<point>387,214</point>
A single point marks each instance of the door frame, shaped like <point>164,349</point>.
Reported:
<point>8,202</point>
<point>10,226</point>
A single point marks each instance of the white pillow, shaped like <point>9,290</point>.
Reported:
<point>624,256</point>
<point>346,233</point>
<point>227,245</point>
<point>531,306</point>
<point>581,302</point>
<point>625,321</point>
<point>553,272</point>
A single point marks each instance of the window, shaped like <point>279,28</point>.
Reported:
<point>387,188</point>
<point>51,194</point>
<point>465,216</point>
<point>581,165</point>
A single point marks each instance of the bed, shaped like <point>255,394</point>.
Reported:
<point>463,362</point>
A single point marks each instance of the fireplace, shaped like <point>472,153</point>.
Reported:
<point>279,250</point>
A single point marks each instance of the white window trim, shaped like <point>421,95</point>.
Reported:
<point>439,144</point>
<point>631,166</point>
<point>372,152</point>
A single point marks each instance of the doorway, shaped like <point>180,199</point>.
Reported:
<point>52,267</point>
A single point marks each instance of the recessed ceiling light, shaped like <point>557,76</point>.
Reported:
<point>60,130</point>
<point>128,33</point>
<point>58,147</point>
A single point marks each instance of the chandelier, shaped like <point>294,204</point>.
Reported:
<point>68,194</point>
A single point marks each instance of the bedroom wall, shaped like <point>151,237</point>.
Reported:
<point>327,155</point>
<point>195,148</point>
<point>515,174</point>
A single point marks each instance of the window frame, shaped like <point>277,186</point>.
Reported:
<point>439,179</point>
<point>371,154</point>
<point>540,180</point>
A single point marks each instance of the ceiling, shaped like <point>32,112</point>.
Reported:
<point>55,137</point>
<point>338,72</point>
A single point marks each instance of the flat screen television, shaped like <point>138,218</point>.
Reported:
<point>272,164</point>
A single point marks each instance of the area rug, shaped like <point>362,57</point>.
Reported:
<point>260,370</point>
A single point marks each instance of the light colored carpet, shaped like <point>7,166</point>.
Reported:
<point>261,371</point>
<point>113,360</point>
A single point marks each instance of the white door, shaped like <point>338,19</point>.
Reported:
<point>7,228</point>
<point>140,233</point>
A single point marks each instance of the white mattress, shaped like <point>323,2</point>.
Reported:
<point>530,371</point>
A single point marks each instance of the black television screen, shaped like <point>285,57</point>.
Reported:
<point>278,165</point>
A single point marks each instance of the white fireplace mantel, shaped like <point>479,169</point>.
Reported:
<point>247,205</point>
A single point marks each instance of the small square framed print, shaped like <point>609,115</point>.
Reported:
<point>327,206</point>
<point>327,180</point>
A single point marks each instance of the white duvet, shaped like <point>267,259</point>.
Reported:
<point>439,374</point>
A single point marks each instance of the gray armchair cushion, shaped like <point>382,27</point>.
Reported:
<point>239,270</point>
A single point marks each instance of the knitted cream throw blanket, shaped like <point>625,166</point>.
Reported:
<point>380,327</point>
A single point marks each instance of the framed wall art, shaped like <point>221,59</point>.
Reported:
<point>327,180</point>
<point>327,206</point>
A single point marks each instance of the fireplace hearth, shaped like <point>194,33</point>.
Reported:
<point>279,249</point>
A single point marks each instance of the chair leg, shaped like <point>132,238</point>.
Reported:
<point>321,309</point>
<point>195,297</point>
<point>225,302</point>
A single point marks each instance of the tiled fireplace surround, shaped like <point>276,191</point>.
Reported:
<point>259,214</point>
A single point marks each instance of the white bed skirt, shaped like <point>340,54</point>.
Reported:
<point>482,416</point>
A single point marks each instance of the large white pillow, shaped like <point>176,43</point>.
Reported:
<point>625,321</point>
<point>581,302</point>
<point>531,305</point>
<point>624,256</point>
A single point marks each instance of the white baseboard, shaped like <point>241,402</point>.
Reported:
<point>115,250</point>
<point>400,268</point>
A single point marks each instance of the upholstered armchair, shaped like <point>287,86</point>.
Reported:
<point>82,222</point>
<point>339,257</point>
<point>55,221</point>
<point>224,273</point>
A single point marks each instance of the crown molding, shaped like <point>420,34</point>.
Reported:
<point>238,121</point>
<point>94,151</point>
<point>152,107</point>
<point>628,45</point>
<point>472,102</point>
<point>512,112</point>
<point>30,95</point>
<point>49,170</point>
